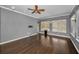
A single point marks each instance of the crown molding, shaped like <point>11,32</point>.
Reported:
<point>55,18</point>
<point>17,12</point>
<point>74,10</point>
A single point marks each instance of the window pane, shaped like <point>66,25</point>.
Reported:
<point>73,25</point>
<point>45,25</point>
<point>59,26</point>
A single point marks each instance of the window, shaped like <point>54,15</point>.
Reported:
<point>45,25</point>
<point>73,25</point>
<point>54,26</point>
<point>59,26</point>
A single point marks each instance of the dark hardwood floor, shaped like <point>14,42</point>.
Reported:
<point>39,44</point>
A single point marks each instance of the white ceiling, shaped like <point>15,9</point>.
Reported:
<point>50,10</point>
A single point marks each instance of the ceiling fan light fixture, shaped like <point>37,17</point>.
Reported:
<point>36,10</point>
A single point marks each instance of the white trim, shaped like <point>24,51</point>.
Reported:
<point>77,39</point>
<point>74,44</point>
<point>57,34</point>
<point>17,12</point>
<point>17,39</point>
<point>72,35</point>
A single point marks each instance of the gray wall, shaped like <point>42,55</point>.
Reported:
<point>73,39</point>
<point>15,25</point>
<point>0,24</point>
<point>77,22</point>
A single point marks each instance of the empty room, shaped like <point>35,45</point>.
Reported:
<point>39,29</point>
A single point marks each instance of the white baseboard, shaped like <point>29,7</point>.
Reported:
<point>57,35</point>
<point>74,44</point>
<point>17,39</point>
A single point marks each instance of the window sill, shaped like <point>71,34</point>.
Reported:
<point>77,39</point>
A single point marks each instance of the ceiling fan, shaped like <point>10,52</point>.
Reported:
<point>36,9</point>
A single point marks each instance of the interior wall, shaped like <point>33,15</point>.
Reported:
<point>77,22</point>
<point>15,25</point>
<point>0,24</point>
<point>68,24</point>
<point>73,39</point>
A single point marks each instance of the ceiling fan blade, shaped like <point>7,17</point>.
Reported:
<point>33,12</point>
<point>30,9</point>
<point>41,9</point>
<point>36,9</point>
<point>38,12</point>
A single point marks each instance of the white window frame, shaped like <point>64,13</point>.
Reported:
<point>60,31</point>
<point>73,28</point>
<point>50,27</point>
